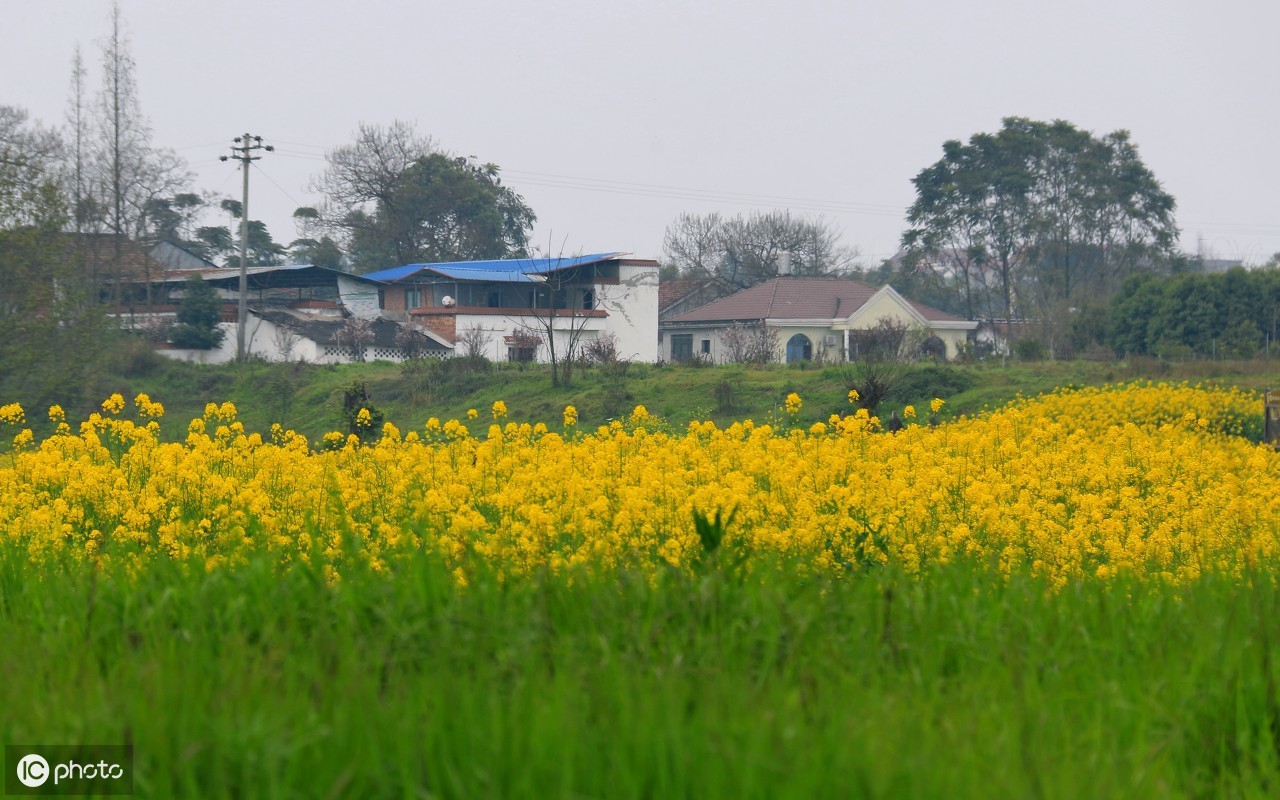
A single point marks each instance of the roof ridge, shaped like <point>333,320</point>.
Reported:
<point>773,297</point>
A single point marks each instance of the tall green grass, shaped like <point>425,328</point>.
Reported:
<point>261,682</point>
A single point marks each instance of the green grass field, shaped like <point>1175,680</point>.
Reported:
<point>257,683</point>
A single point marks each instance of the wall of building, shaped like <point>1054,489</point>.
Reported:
<point>632,305</point>
<point>826,343</point>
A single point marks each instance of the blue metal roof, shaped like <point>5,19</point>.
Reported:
<point>507,270</point>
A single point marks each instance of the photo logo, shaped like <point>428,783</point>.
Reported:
<point>45,770</point>
<point>33,771</point>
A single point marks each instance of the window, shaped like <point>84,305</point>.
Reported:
<point>706,346</point>
<point>492,301</point>
<point>588,299</point>
<point>681,346</point>
<point>382,298</point>
<point>799,348</point>
<point>412,298</point>
<point>521,354</point>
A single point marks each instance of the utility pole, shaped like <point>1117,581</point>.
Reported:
<point>244,146</point>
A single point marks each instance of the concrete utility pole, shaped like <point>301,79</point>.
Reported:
<point>244,146</point>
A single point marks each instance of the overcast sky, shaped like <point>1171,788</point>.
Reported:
<point>612,118</point>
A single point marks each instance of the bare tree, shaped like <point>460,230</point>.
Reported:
<point>880,356</point>
<point>130,173</point>
<point>412,341</point>
<point>77,134</point>
<point>562,302</point>
<point>744,251</point>
<point>750,344</point>
<point>694,244</point>
<point>285,341</point>
<point>474,342</point>
<point>356,333</point>
<point>602,350</point>
<point>366,174</point>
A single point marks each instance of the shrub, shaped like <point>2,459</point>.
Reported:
<point>198,317</point>
<point>1030,349</point>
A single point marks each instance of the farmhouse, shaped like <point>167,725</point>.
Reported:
<point>813,317</point>
<point>506,309</point>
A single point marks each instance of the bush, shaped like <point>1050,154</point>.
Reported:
<point>1030,349</point>
<point>934,380</point>
<point>355,400</point>
<point>198,317</point>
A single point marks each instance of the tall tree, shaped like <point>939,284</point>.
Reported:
<point>1050,216</point>
<point>78,134</point>
<point>51,331</point>
<point>131,173</point>
<point>392,198</point>
<point>745,251</point>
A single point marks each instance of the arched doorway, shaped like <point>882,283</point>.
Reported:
<point>799,348</point>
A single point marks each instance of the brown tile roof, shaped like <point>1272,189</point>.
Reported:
<point>798,298</point>
<point>672,291</point>
<point>96,252</point>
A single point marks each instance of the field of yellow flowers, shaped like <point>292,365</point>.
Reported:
<point>1142,479</point>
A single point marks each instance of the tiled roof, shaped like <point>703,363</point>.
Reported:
<point>674,291</point>
<point>797,298</point>
<point>96,252</point>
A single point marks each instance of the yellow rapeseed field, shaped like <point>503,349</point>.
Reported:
<point>1145,479</point>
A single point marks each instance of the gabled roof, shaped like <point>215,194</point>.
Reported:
<point>794,298</point>
<point>507,270</point>
<point>673,291</point>
<point>97,251</point>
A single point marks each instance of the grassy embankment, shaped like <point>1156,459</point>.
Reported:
<point>308,398</point>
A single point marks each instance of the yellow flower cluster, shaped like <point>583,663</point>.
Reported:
<point>1144,480</point>
<point>793,403</point>
<point>12,414</point>
<point>146,408</point>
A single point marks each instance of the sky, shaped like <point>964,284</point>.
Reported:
<point>611,119</point>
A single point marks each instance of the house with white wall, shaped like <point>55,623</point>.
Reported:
<point>507,308</point>
<point>813,317</point>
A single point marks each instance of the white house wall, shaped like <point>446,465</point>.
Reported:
<point>498,328</point>
<point>632,305</point>
<point>886,305</point>
<point>818,336</point>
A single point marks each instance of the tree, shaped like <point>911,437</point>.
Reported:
<point>129,173</point>
<point>312,247</point>
<point>745,251</point>
<point>559,297</point>
<point>199,315</point>
<point>51,330</point>
<point>214,242</point>
<point>750,344</point>
<point>392,198</point>
<point>1051,217</point>
<point>262,251</point>
<point>322,252</point>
